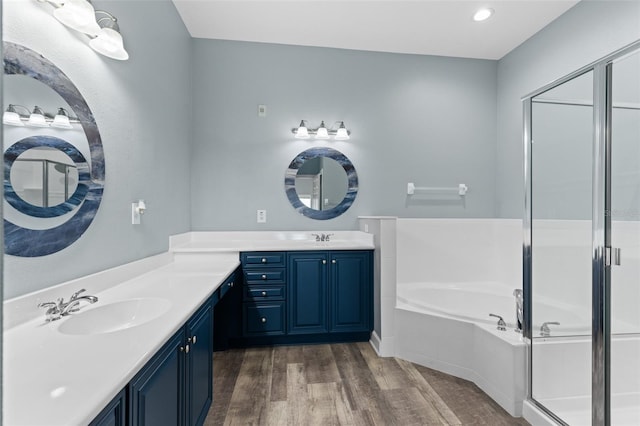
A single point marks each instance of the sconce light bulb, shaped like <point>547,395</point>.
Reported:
<point>342,133</point>
<point>37,119</point>
<point>61,120</point>
<point>322,132</point>
<point>302,132</point>
<point>78,15</point>
<point>11,117</point>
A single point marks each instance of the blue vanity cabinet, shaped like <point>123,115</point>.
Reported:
<point>115,413</point>
<point>175,387</point>
<point>307,301</point>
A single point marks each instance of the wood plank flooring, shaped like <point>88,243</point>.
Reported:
<point>341,384</point>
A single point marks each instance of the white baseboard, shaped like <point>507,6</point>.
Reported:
<point>383,347</point>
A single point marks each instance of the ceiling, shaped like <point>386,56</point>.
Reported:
<point>426,27</point>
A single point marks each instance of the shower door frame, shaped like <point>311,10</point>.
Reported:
<point>601,233</point>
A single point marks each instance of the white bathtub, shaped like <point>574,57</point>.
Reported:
<point>447,327</point>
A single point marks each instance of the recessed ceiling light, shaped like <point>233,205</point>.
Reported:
<point>483,14</point>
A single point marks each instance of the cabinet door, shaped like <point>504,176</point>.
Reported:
<point>307,294</point>
<point>199,365</point>
<point>350,291</point>
<point>114,414</point>
<point>156,392</point>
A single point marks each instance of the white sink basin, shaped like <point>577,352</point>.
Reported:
<point>114,316</point>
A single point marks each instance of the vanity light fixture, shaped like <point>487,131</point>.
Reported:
<point>61,120</point>
<point>99,25</point>
<point>37,118</point>
<point>322,132</point>
<point>78,15</point>
<point>302,132</point>
<point>11,117</point>
<point>483,14</point>
<point>109,41</point>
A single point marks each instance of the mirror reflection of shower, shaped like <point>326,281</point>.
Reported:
<point>44,176</point>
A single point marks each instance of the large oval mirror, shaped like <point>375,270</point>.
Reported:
<point>37,222</point>
<point>321,183</point>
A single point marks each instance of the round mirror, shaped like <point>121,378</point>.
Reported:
<point>44,176</point>
<point>321,183</point>
<point>47,86</point>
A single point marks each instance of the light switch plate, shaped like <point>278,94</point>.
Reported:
<point>262,216</point>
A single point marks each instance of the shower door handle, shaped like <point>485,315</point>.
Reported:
<point>617,256</point>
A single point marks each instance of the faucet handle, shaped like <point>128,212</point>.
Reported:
<point>53,310</point>
<point>517,292</point>
<point>317,236</point>
<point>545,331</point>
<point>74,296</point>
<point>327,237</point>
<point>502,326</point>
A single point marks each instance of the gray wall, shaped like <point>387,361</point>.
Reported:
<point>423,119</point>
<point>585,33</point>
<point>142,109</point>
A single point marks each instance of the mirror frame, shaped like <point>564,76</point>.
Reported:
<point>25,242</point>
<point>290,183</point>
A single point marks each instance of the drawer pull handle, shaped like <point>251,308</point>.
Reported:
<point>263,320</point>
<point>333,261</point>
<point>264,276</point>
<point>324,262</point>
<point>264,293</point>
<point>192,340</point>
<point>230,284</point>
<point>186,349</point>
<point>264,260</point>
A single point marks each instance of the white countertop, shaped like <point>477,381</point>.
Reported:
<point>51,378</point>
<point>203,242</point>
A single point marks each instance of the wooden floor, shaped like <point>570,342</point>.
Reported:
<point>341,384</point>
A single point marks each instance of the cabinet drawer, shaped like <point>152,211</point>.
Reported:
<point>256,293</point>
<point>271,276</point>
<point>269,258</point>
<point>264,318</point>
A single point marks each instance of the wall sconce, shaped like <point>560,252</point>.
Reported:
<point>37,118</point>
<point>99,25</point>
<point>339,134</point>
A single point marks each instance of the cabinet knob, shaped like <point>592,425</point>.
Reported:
<point>333,261</point>
<point>230,284</point>
<point>186,349</point>
<point>264,293</point>
<point>263,320</point>
<point>324,262</point>
<point>264,276</point>
<point>264,260</point>
<point>192,340</point>
<point>181,348</point>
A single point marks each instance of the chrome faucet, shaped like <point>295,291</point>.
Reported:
<point>58,309</point>
<point>519,309</point>
<point>545,331</point>
<point>322,237</point>
<point>502,326</point>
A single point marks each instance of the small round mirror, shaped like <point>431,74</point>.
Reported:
<point>44,176</point>
<point>321,183</point>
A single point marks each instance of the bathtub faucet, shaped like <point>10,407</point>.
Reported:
<point>519,309</point>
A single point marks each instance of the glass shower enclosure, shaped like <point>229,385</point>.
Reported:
<point>581,252</point>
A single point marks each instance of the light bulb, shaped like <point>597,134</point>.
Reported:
<point>36,119</point>
<point>483,14</point>
<point>78,15</point>
<point>322,132</point>
<point>342,134</point>
<point>109,43</point>
<point>302,132</point>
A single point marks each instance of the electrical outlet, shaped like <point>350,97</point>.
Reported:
<point>262,216</point>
